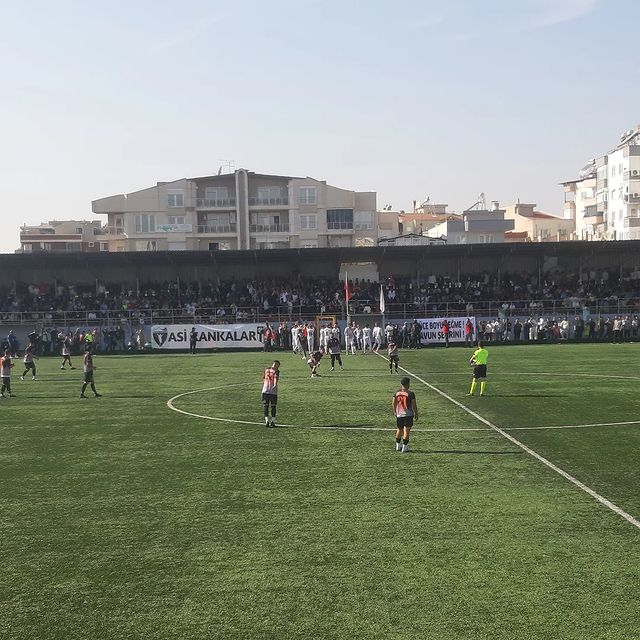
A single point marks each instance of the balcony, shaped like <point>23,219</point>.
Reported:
<point>632,198</point>
<point>602,184</point>
<point>225,203</point>
<point>632,175</point>
<point>269,228</point>
<point>217,228</point>
<point>632,223</point>
<point>269,202</point>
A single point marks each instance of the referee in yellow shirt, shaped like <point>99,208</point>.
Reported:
<point>479,361</point>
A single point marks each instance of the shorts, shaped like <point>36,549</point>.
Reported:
<point>28,365</point>
<point>312,363</point>
<point>88,377</point>
<point>404,421</point>
<point>480,371</point>
<point>270,398</point>
<point>394,359</point>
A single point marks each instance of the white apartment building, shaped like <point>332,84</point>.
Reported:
<point>63,236</point>
<point>243,210</point>
<point>474,226</point>
<point>605,199</point>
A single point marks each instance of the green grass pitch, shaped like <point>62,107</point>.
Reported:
<point>124,519</point>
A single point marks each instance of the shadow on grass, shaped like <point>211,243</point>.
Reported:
<point>463,452</point>
<point>525,395</point>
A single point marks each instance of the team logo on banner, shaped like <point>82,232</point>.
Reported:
<point>160,335</point>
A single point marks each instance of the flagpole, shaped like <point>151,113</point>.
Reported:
<point>347,296</point>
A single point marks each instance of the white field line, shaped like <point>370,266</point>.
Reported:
<point>567,476</point>
<point>171,405</point>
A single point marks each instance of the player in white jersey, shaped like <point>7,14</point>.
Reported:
<point>357,332</point>
<point>349,340</point>
<point>325,334</point>
<point>366,338</point>
<point>377,337</point>
<point>388,330</point>
<point>295,339</point>
<point>311,337</point>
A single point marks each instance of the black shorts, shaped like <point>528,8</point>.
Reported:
<point>270,398</point>
<point>394,359</point>
<point>405,421</point>
<point>480,371</point>
<point>88,376</point>
<point>28,365</point>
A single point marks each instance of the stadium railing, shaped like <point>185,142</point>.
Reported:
<point>398,311</point>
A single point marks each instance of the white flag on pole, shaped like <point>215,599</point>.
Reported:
<point>382,300</point>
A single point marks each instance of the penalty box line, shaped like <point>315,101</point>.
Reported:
<point>567,476</point>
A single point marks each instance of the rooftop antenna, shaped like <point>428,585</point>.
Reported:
<point>229,165</point>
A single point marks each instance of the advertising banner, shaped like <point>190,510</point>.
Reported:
<point>432,329</point>
<point>218,336</point>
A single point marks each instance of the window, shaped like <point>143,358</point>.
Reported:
<point>145,223</point>
<point>307,195</point>
<point>104,246</point>
<point>146,245</point>
<point>267,193</point>
<point>176,219</point>
<point>96,231</point>
<point>216,193</point>
<point>363,220</point>
<point>175,198</point>
<point>339,218</point>
<point>79,230</point>
<point>308,222</point>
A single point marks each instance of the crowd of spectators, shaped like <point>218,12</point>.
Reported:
<point>236,300</point>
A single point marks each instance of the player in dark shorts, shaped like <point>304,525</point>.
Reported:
<point>314,362</point>
<point>394,358</point>
<point>479,361</point>
<point>405,409</point>
<point>29,364</point>
<point>88,368</point>
<point>334,352</point>
<point>270,393</point>
<point>193,340</point>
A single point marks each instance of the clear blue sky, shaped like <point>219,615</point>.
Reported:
<point>407,98</point>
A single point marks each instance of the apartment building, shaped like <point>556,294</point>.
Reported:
<point>531,225</point>
<point>63,236</point>
<point>243,210</point>
<point>605,199</point>
<point>474,226</point>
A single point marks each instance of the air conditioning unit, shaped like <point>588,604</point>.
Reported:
<point>91,245</point>
<point>635,172</point>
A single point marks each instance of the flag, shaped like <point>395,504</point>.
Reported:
<point>347,293</point>
<point>382,300</point>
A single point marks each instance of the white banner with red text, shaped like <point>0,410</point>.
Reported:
<point>218,336</point>
<point>432,329</point>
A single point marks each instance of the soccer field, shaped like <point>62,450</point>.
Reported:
<point>125,517</point>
